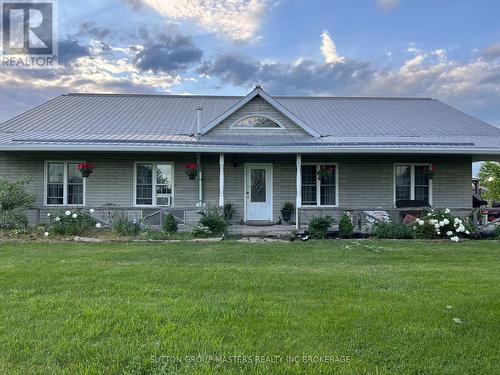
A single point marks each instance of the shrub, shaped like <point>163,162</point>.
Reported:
<point>383,229</point>
<point>213,219</point>
<point>170,224</point>
<point>14,200</point>
<point>345,226</point>
<point>318,226</point>
<point>13,219</point>
<point>69,223</point>
<point>200,231</point>
<point>123,226</point>
<point>228,211</point>
<point>440,224</point>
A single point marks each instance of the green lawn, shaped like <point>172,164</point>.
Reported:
<point>148,309</point>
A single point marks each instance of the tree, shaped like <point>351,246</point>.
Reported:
<point>489,175</point>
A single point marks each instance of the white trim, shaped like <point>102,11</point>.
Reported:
<point>234,125</point>
<point>65,184</point>
<point>298,181</point>
<point>154,163</point>
<point>318,186</point>
<point>276,105</point>
<point>245,180</point>
<point>412,180</point>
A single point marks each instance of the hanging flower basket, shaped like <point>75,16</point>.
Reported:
<point>324,171</point>
<point>85,169</point>
<point>429,174</point>
<point>192,170</point>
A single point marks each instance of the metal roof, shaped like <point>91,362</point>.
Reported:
<point>169,121</point>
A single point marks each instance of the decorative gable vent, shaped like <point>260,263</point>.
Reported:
<point>257,122</point>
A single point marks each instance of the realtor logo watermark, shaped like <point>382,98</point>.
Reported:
<point>29,34</point>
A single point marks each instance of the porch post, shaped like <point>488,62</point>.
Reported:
<point>221,179</point>
<point>200,180</point>
<point>298,202</point>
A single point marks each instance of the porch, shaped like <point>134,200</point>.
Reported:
<point>359,182</point>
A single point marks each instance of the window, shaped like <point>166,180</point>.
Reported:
<point>64,184</point>
<point>412,182</point>
<point>259,122</point>
<point>319,191</point>
<point>153,184</point>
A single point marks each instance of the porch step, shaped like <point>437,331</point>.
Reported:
<point>259,223</point>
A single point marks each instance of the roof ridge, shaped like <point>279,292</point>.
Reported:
<point>353,97</point>
<point>151,95</point>
<point>241,96</point>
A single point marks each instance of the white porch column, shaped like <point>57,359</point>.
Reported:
<point>200,180</point>
<point>221,179</point>
<point>298,202</point>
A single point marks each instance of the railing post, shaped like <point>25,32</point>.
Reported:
<point>298,201</point>
<point>161,218</point>
<point>200,180</point>
<point>221,179</point>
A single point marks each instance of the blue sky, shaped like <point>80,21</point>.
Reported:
<point>449,50</point>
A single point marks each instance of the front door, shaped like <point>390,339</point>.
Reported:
<point>259,191</point>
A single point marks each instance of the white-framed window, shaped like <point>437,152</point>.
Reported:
<point>257,122</point>
<point>411,182</point>
<point>153,183</point>
<point>64,184</point>
<point>319,190</point>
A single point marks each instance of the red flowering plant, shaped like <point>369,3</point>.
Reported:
<point>85,169</point>
<point>430,172</point>
<point>192,170</point>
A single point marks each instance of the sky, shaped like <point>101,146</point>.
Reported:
<point>448,50</point>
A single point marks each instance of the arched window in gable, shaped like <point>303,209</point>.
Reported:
<point>257,122</point>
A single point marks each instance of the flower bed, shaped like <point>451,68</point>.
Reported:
<point>441,224</point>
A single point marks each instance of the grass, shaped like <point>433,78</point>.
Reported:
<point>145,308</point>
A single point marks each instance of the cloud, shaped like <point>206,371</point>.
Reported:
<point>70,50</point>
<point>237,69</point>
<point>93,30</point>
<point>329,50</point>
<point>492,51</point>
<point>387,5</point>
<point>235,19</point>
<point>299,77</point>
<point>88,68</point>
<point>171,54</point>
<point>473,86</point>
<point>135,4</point>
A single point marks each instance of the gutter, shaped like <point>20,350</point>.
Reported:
<point>249,149</point>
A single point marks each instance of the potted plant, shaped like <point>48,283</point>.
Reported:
<point>429,173</point>
<point>286,211</point>
<point>325,171</point>
<point>192,170</point>
<point>85,169</point>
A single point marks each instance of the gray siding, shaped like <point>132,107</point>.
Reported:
<point>365,181</point>
<point>258,106</point>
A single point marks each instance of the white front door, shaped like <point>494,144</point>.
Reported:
<point>259,191</point>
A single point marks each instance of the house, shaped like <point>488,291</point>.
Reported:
<point>326,155</point>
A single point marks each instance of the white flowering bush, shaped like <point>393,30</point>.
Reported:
<point>440,224</point>
<point>71,223</point>
<point>201,230</point>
